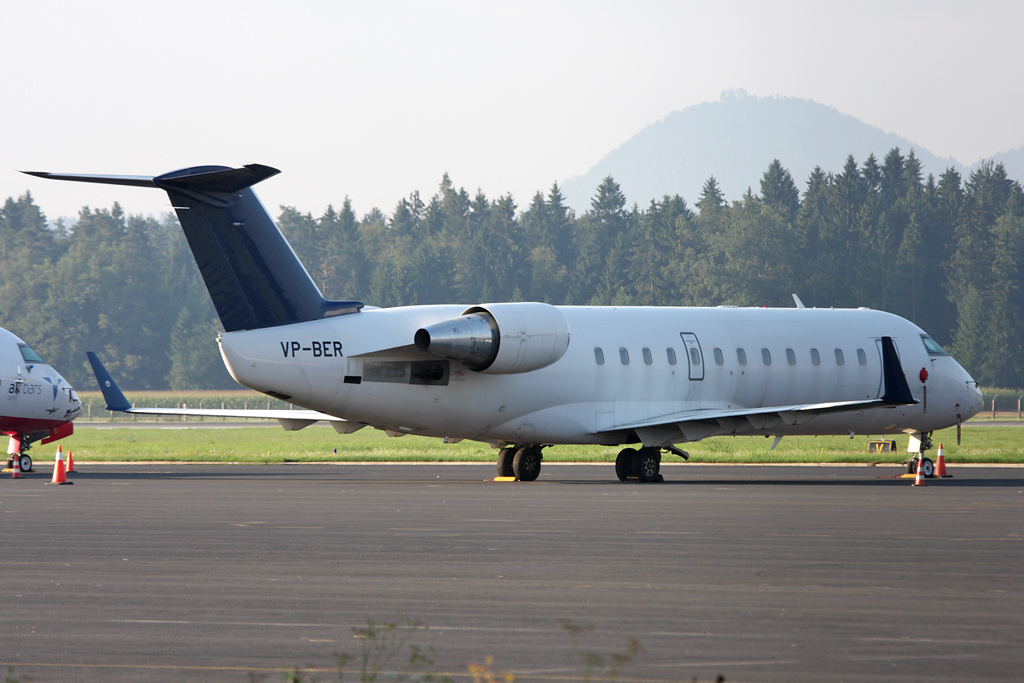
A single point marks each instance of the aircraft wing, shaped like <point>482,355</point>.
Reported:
<point>291,420</point>
<point>699,424</point>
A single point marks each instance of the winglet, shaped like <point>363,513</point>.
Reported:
<point>111,394</point>
<point>897,391</point>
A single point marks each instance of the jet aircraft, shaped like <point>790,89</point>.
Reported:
<point>525,376</point>
<point>37,404</point>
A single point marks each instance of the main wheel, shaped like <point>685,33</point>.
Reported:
<point>647,463</point>
<point>526,464</point>
<point>505,456</point>
<point>624,463</point>
<point>25,462</point>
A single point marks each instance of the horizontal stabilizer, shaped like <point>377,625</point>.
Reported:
<point>133,180</point>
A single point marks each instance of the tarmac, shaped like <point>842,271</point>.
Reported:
<point>241,572</point>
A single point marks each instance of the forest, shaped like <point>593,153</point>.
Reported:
<point>946,253</point>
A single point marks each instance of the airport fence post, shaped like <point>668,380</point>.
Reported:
<point>993,407</point>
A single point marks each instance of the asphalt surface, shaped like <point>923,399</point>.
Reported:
<point>208,572</point>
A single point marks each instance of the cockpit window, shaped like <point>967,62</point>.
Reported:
<point>933,348</point>
<point>31,356</point>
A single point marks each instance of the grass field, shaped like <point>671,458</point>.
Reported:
<point>323,444</point>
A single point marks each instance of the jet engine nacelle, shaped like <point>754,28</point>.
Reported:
<point>500,339</point>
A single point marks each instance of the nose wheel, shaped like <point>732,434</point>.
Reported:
<point>24,462</point>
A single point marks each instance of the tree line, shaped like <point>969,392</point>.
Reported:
<point>943,252</point>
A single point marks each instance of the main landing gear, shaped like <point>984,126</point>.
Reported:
<point>521,462</point>
<point>643,464</point>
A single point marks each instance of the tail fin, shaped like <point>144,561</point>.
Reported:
<point>250,270</point>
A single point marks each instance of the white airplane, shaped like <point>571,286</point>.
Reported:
<point>526,376</point>
<point>36,403</point>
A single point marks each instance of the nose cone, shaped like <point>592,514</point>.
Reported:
<point>970,398</point>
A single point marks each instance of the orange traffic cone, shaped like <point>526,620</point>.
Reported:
<point>940,464</point>
<point>919,481</point>
<point>59,475</point>
<point>16,469</point>
<point>71,463</point>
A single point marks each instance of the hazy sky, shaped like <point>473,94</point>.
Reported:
<point>375,100</point>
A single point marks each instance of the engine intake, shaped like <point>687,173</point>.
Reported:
<point>500,339</point>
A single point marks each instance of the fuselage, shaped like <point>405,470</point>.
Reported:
<point>35,398</point>
<point>622,367</point>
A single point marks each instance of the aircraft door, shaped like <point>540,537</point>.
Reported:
<point>694,357</point>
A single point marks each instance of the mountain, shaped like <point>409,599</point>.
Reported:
<point>1012,160</point>
<point>735,139</point>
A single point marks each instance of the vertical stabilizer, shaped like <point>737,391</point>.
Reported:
<point>250,270</point>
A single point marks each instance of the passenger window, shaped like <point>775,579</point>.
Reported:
<point>599,355</point>
<point>648,359</point>
<point>624,356</point>
<point>839,357</point>
<point>719,358</point>
<point>766,356</point>
<point>671,355</point>
<point>741,356</point>
<point>862,357</point>
<point>694,357</point>
<point>791,356</point>
<point>815,358</point>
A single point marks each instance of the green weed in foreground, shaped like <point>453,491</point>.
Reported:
<point>999,445</point>
<point>388,653</point>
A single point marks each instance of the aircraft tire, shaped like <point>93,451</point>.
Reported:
<point>505,457</point>
<point>647,463</point>
<point>624,463</point>
<point>526,464</point>
<point>25,462</point>
<point>928,467</point>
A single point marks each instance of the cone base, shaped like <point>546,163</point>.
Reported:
<point>60,483</point>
